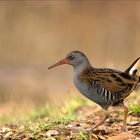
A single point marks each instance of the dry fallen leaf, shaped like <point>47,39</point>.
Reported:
<point>5,129</point>
<point>133,123</point>
<point>101,137</point>
<point>122,136</point>
<point>102,131</point>
<point>27,138</point>
<point>7,136</point>
<point>137,139</point>
<point>94,137</point>
<point>67,132</point>
<point>52,132</point>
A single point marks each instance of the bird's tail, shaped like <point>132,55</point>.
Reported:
<point>134,68</point>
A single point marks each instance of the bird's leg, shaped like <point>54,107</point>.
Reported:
<point>125,117</point>
<point>106,115</point>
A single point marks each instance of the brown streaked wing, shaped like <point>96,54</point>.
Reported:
<point>112,80</point>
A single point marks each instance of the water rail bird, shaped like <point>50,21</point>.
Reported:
<point>104,86</point>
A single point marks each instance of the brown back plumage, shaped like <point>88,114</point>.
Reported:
<point>112,81</point>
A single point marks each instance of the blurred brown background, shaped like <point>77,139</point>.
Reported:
<point>36,34</point>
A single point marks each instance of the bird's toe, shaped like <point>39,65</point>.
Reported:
<point>123,128</point>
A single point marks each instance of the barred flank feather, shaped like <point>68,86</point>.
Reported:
<point>111,84</point>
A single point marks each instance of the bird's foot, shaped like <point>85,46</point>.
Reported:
<point>123,128</point>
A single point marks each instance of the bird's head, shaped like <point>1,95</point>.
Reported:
<point>74,58</point>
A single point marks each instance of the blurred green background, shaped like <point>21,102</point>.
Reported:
<point>36,34</point>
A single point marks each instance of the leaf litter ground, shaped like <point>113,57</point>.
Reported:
<point>72,128</point>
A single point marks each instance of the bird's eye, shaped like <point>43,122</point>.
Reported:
<point>71,57</point>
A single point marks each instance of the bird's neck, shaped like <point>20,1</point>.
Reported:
<point>79,68</point>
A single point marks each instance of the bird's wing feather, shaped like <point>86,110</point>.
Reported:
<point>112,80</point>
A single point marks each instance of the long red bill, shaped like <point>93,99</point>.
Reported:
<point>64,61</point>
